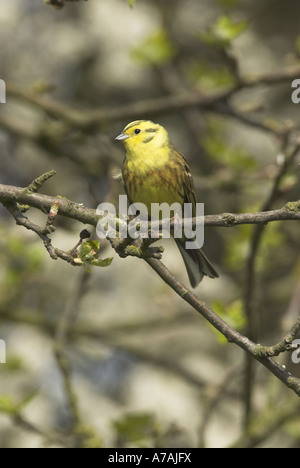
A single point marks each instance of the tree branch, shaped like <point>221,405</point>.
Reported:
<point>289,155</point>
<point>90,118</point>
<point>255,350</point>
<point>69,209</point>
<point>11,196</point>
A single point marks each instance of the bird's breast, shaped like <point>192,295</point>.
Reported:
<point>152,185</point>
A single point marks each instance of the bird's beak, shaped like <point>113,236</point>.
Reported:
<point>123,136</point>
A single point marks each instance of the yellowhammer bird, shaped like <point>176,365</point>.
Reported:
<point>155,172</point>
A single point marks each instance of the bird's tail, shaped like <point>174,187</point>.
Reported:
<point>196,263</point>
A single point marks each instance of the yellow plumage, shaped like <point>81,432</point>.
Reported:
<point>155,172</point>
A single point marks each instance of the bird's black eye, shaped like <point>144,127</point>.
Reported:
<point>137,131</point>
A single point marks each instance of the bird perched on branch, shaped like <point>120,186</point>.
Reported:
<point>154,171</point>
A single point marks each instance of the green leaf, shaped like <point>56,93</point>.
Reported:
<point>88,255</point>
<point>223,31</point>
<point>155,49</point>
<point>101,262</point>
<point>88,250</point>
<point>131,3</point>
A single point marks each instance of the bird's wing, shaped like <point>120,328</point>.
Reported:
<point>187,181</point>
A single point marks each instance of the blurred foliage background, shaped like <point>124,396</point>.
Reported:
<point>138,367</point>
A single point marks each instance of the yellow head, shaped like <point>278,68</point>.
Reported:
<point>144,134</point>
